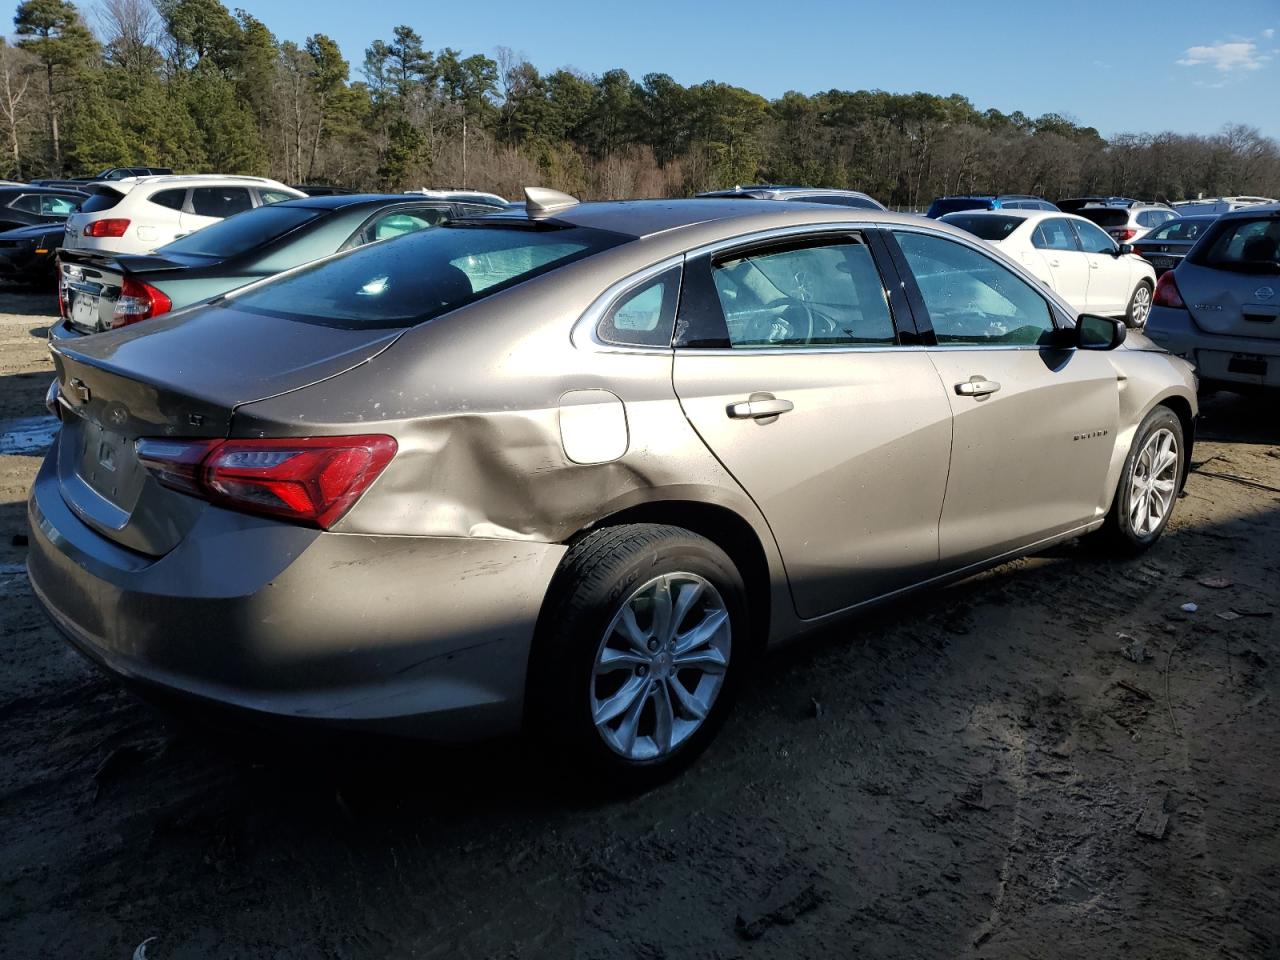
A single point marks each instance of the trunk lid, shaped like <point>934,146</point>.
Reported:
<point>179,375</point>
<point>90,282</point>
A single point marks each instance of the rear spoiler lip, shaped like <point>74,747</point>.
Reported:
<point>132,264</point>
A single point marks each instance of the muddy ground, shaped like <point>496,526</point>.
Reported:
<point>977,771</point>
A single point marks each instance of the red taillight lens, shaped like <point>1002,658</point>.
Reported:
<point>63,306</point>
<point>138,301</point>
<point>312,480</point>
<point>111,227</point>
<point>1124,234</point>
<point>1167,293</point>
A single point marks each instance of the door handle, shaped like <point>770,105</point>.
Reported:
<point>1055,263</point>
<point>761,406</point>
<point>977,386</point>
<point>1092,265</point>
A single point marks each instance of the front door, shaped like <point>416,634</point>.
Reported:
<point>1034,423</point>
<point>1108,273</point>
<point>789,367</point>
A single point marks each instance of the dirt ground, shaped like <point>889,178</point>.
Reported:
<point>976,771</point>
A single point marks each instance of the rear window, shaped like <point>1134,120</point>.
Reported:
<point>952,204</point>
<point>1242,246</point>
<point>1105,216</point>
<point>1180,229</point>
<point>986,228</point>
<point>421,275</point>
<point>98,202</point>
<point>235,235</point>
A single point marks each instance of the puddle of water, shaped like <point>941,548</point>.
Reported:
<point>27,435</point>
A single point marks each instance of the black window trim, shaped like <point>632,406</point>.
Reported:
<point>700,320</point>
<point>1059,319</point>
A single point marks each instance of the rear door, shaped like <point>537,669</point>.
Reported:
<point>1034,424</point>
<point>789,366</point>
<point>1109,280</point>
<point>1068,264</point>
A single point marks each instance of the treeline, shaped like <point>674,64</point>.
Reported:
<point>192,85</point>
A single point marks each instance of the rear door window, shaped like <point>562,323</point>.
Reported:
<point>1055,234</point>
<point>972,299</point>
<point>645,316</point>
<point>27,202</point>
<point>220,201</point>
<point>813,294</point>
<point>274,196</point>
<point>173,199</point>
<point>58,206</point>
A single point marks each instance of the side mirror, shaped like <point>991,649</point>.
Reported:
<point>1123,249</point>
<point>1099,333</point>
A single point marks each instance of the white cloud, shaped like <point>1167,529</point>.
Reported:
<point>1226,56</point>
<point>1268,33</point>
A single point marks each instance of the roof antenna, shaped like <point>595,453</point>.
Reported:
<point>541,202</point>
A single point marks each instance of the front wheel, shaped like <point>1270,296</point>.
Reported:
<point>1139,306</point>
<point>1149,483</point>
<point>640,652</point>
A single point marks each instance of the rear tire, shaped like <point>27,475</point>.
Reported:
<point>622,692</point>
<point>1149,485</point>
<point>1139,306</point>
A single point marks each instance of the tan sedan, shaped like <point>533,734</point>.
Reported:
<point>575,467</point>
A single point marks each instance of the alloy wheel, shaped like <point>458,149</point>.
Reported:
<point>1154,482</point>
<point>660,666</point>
<point>1141,305</point>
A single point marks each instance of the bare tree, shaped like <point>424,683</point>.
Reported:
<point>131,31</point>
<point>16,70</point>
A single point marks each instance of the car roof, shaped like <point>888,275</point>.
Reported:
<point>766,191</point>
<point>127,184</point>
<point>710,218</point>
<point>1250,211</point>
<point>339,201</point>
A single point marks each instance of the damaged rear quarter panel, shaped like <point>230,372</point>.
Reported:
<point>476,416</point>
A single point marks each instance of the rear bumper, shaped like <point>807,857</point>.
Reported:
<point>421,636</point>
<point>1217,358</point>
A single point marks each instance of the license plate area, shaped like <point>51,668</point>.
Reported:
<point>1249,365</point>
<point>84,310</point>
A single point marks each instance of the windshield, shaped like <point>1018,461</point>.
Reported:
<point>985,227</point>
<point>1185,229</point>
<point>1105,216</point>
<point>419,276</point>
<point>1244,246</point>
<point>951,204</point>
<point>245,231</point>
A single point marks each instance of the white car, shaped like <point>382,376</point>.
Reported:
<point>138,214</point>
<point>1071,256</point>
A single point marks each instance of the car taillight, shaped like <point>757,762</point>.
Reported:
<point>311,480</point>
<point>1167,293</point>
<point>63,306</point>
<point>111,227</point>
<point>1124,233</point>
<point>138,301</point>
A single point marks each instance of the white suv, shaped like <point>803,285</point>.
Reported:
<point>138,214</point>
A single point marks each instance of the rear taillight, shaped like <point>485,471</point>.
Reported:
<point>111,227</point>
<point>311,480</point>
<point>1167,293</point>
<point>1123,234</point>
<point>63,307</point>
<point>138,301</point>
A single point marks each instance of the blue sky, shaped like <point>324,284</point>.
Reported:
<point>1119,66</point>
